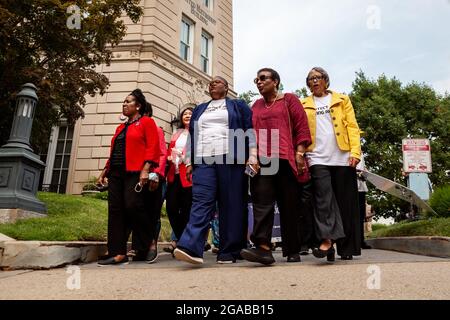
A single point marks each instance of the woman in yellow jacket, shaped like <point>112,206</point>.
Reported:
<point>332,157</point>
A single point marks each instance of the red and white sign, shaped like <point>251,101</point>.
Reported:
<point>416,155</point>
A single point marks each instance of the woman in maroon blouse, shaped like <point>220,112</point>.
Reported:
<point>283,135</point>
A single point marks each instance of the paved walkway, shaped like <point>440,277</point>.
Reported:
<point>402,276</point>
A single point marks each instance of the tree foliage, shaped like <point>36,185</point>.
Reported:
<point>302,93</point>
<point>248,96</point>
<point>37,46</point>
<point>388,112</point>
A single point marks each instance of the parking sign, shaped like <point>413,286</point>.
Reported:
<point>416,155</point>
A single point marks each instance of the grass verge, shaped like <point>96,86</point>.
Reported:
<point>429,227</point>
<point>70,218</point>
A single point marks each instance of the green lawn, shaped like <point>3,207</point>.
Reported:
<point>429,227</point>
<point>70,218</point>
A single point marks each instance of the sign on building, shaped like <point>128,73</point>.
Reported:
<point>416,155</point>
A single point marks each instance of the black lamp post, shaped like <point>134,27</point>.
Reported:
<point>174,123</point>
<point>19,166</point>
<point>23,118</point>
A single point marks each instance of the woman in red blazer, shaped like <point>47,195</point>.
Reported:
<point>134,153</point>
<point>179,189</point>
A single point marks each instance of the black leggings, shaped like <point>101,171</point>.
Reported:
<point>178,205</point>
<point>127,210</point>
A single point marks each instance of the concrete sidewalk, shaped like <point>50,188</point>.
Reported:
<point>401,276</point>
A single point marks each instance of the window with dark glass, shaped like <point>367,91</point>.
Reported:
<point>186,39</point>
<point>205,56</point>
<point>57,159</point>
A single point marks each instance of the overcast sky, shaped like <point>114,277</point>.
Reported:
<point>409,39</point>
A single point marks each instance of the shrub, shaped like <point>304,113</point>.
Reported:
<point>90,184</point>
<point>378,226</point>
<point>101,195</point>
<point>440,201</point>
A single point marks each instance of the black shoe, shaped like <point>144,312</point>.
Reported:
<point>103,257</point>
<point>112,261</point>
<point>318,253</point>
<point>169,249</point>
<point>347,257</point>
<point>140,255</point>
<point>152,255</point>
<point>294,258</point>
<point>226,260</point>
<point>207,247</point>
<point>258,255</point>
<point>364,245</point>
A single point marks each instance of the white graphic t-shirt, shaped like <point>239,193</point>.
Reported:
<point>326,150</point>
<point>213,130</point>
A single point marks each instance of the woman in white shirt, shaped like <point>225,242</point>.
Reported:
<point>219,150</point>
<point>179,189</point>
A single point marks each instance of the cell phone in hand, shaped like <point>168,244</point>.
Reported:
<point>250,171</point>
<point>101,187</point>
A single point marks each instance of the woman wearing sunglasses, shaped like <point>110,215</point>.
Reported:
<point>283,135</point>
<point>135,151</point>
<point>332,158</point>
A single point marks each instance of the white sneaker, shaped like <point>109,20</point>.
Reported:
<point>182,255</point>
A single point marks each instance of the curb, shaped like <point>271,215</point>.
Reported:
<point>426,246</point>
<point>43,255</point>
<point>5,238</point>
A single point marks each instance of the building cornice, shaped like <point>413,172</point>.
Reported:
<point>152,51</point>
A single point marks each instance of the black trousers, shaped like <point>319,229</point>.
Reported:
<point>153,202</point>
<point>127,210</point>
<point>362,213</point>
<point>281,187</point>
<point>178,205</point>
<point>336,202</point>
<point>308,238</point>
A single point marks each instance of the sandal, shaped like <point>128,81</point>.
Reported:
<point>169,249</point>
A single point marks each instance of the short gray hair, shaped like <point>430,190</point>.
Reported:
<point>324,74</point>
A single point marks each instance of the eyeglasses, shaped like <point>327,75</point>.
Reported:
<point>261,78</point>
<point>315,78</point>
<point>216,82</point>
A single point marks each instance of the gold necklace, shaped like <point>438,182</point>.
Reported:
<point>268,107</point>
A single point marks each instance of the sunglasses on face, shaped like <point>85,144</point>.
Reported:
<point>261,78</point>
<point>315,78</point>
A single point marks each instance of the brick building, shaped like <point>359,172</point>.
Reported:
<point>171,54</point>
